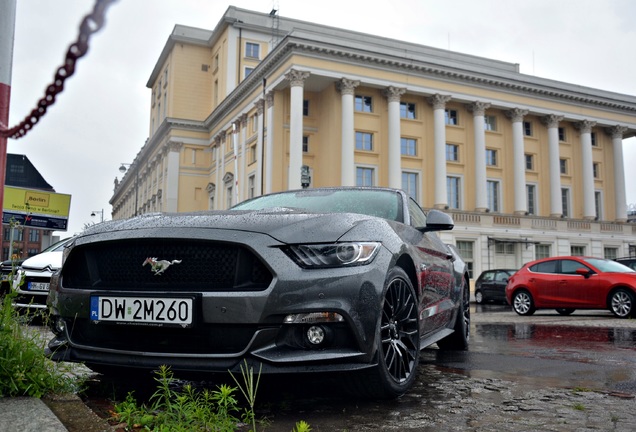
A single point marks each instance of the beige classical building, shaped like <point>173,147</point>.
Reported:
<point>528,167</point>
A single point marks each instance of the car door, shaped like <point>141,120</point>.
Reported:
<point>497,288</point>
<point>574,289</point>
<point>436,278</point>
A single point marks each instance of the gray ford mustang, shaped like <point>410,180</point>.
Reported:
<point>314,280</point>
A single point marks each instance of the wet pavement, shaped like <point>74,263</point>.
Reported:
<point>540,373</point>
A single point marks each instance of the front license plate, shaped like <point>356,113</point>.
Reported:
<point>168,311</point>
<point>38,286</point>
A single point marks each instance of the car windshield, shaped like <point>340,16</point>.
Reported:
<point>609,266</point>
<point>381,203</point>
<point>58,246</point>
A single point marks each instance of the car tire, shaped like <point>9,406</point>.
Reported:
<point>522,303</point>
<point>621,303</point>
<point>479,297</point>
<point>398,342</point>
<point>565,311</point>
<point>458,340</point>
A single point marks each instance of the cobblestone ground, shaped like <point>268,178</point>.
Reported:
<point>444,401</point>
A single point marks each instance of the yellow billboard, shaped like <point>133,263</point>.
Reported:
<point>36,208</point>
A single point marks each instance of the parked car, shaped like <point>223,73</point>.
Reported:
<point>628,261</point>
<point>33,277</point>
<point>490,286</point>
<point>314,280</point>
<point>568,283</point>
<point>7,269</point>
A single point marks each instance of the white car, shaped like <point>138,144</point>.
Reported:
<point>32,279</point>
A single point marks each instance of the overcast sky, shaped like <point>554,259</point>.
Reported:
<point>102,117</point>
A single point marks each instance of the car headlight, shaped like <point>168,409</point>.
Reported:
<point>333,254</point>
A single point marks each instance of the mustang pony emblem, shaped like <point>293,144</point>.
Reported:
<point>159,266</point>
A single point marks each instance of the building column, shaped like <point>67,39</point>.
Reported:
<point>347,89</point>
<point>552,123</point>
<point>219,186</point>
<point>518,157</point>
<point>393,95</point>
<point>438,102</point>
<point>479,131</point>
<point>243,141</point>
<point>258,181</point>
<point>297,81</point>
<point>172,176</point>
<point>269,143</point>
<point>620,197</point>
<point>585,129</point>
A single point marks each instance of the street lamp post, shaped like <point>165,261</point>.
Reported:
<point>123,169</point>
<point>100,212</point>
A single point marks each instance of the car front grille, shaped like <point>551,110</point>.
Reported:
<point>204,266</point>
<point>200,339</point>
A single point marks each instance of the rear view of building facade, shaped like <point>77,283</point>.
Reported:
<point>528,167</point>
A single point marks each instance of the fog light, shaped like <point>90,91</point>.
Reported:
<point>60,325</point>
<point>315,335</point>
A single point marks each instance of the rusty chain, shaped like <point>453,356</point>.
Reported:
<point>90,24</point>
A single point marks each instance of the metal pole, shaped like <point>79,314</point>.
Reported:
<point>7,36</point>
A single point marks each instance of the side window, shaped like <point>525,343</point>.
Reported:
<point>488,276</point>
<point>418,217</point>
<point>545,267</point>
<point>501,276</point>
<point>570,266</point>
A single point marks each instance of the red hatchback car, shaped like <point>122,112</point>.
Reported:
<point>571,282</point>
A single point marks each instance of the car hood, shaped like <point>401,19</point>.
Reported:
<point>284,225</point>
<point>52,260</point>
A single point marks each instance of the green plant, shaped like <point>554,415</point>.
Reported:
<point>302,426</point>
<point>185,410</point>
<point>24,369</point>
<point>579,407</point>
<point>249,389</point>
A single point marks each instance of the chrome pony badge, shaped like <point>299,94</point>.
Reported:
<point>159,266</point>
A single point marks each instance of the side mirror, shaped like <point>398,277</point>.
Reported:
<point>583,272</point>
<point>438,221</point>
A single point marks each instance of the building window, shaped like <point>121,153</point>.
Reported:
<point>453,191</point>
<point>364,176</point>
<point>408,146</point>
<point>490,123</point>
<point>610,253</point>
<point>407,110</point>
<point>598,205</point>
<point>251,181</point>
<point>565,201</point>
<point>531,196</point>
<point>529,162</point>
<point>451,117</point>
<point>527,128</point>
<point>562,134</point>
<point>466,251</point>
<point>248,71</point>
<point>34,235</point>
<point>364,104</point>
<point>596,170</point>
<point>452,152</point>
<point>252,153</point>
<point>364,141</point>
<point>563,166</point>
<point>503,248</point>
<point>252,50</point>
<point>577,250</point>
<point>542,251</point>
<point>491,157</point>
<point>492,188</point>
<point>216,62</point>
<point>594,141</point>
<point>409,184</point>
<point>305,143</point>
<point>306,108</point>
<point>228,197</point>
